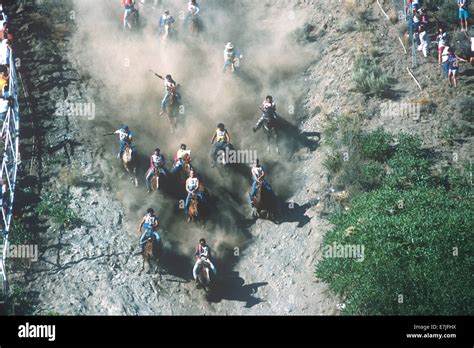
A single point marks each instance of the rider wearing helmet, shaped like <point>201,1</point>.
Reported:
<point>182,155</point>
<point>258,176</point>
<point>202,254</point>
<point>231,56</point>
<point>125,136</point>
<point>150,224</point>
<point>269,112</point>
<point>165,19</point>
<point>221,137</point>
<point>192,188</point>
<point>157,166</point>
<point>170,87</point>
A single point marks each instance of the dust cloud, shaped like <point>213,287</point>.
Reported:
<point>116,65</point>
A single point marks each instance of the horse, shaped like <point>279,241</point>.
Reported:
<point>166,34</point>
<point>131,19</point>
<point>151,253</point>
<point>129,160</point>
<point>234,67</point>
<point>221,157</point>
<point>194,25</point>
<point>155,180</point>
<point>170,109</point>
<point>264,201</point>
<point>204,276</point>
<point>269,126</point>
<point>198,210</point>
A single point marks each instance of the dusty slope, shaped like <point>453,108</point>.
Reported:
<point>93,270</point>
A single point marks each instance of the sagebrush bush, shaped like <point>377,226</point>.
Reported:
<point>368,77</point>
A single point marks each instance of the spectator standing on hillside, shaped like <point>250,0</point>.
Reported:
<point>463,13</point>
<point>442,39</point>
<point>444,60</point>
<point>453,64</point>
<point>424,41</point>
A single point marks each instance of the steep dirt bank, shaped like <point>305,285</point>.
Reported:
<point>93,268</point>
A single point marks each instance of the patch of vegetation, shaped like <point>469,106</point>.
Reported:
<point>56,211</point>
<point>19,233</point>
<point>333,162</point>
<point>376,145</point>
<point>368,77</point>
<point>465,106</point>
<point>418,249</point>
<point>415,227</point>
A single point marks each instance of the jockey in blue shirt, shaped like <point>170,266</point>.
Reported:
<point>125,136</point>
<point>150,224</point>
<point>165,19</point>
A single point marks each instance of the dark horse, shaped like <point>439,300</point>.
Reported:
<point>269,123</point>
<point>151,253</point>
<point>172,108</point>
<point>264,201</point>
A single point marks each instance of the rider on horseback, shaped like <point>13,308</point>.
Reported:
<point>258,176</point>
<point>165,19</point>
<point>202,254</point>
<point>130,9</point>
<point>170,88</point>
<point>125,137</point>
<point>269,112</point>
<point>157,166</point>
<point>231,56</point>
<point>193,8</point>
<point>221,137</point>
<point>192,188</point>
<point>181,156</point>
<point>150,224</point>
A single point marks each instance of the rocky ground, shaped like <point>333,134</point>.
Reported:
<point>265,268</point>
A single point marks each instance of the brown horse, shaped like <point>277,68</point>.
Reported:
<point>151,254</point>
<point>263,201</point>
<point>204,276</point>
<point>130,163</point>
<point>198,210</point>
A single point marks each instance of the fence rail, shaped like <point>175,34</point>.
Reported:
<point>10,135</point>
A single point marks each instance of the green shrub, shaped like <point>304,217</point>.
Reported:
<point>417,259</point>
<point>57,212</point>
<point>333,163</point>
<point>376,145</point>
<point>368,76</point>
<point>372,175</point>
<point>465,106</point>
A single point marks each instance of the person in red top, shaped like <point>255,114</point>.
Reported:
<point>157,166</point>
